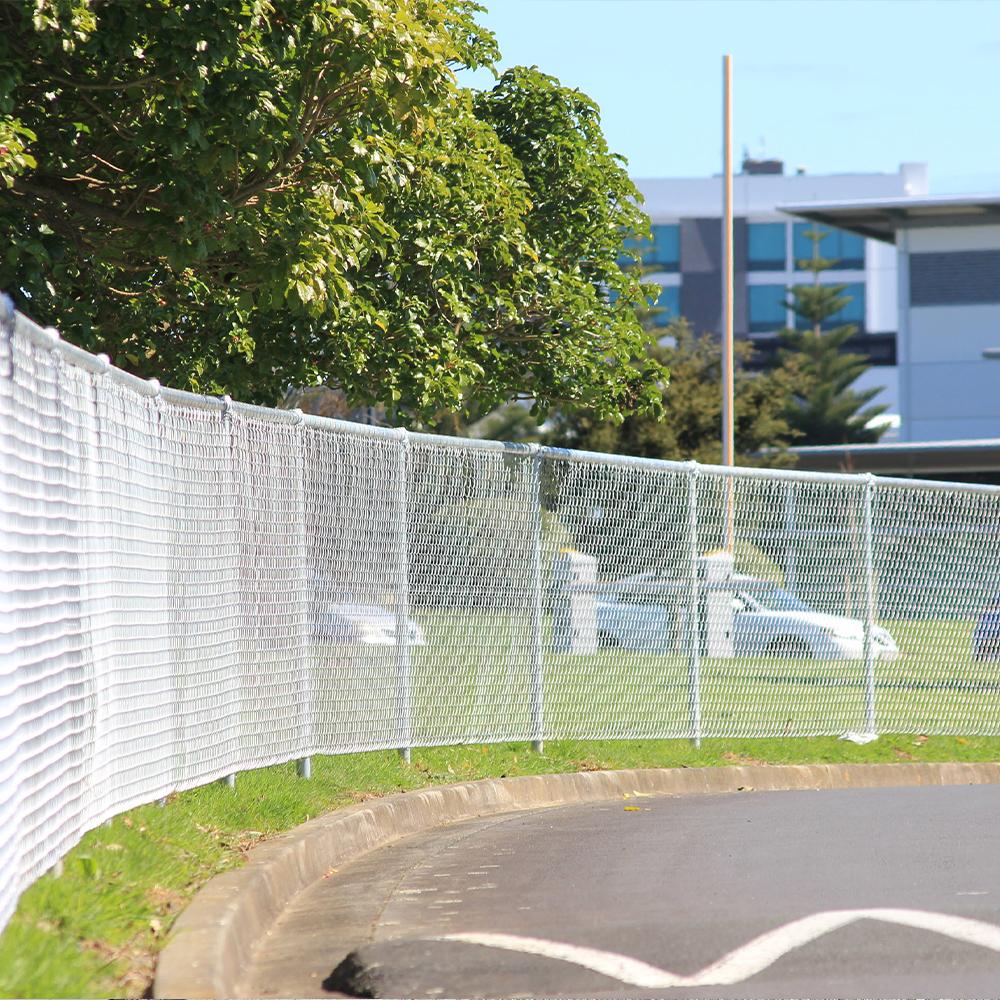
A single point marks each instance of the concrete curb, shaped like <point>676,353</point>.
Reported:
<point>214,938</point>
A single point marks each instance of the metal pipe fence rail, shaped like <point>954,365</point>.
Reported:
<point>190,587</point>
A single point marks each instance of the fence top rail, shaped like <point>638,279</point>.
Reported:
<point>49,338</point>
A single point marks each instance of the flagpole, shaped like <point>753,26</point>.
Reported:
<point>727,286</point>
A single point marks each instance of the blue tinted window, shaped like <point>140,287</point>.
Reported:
<point>846,249</point>
<point>802,245</point>
<point>670,304</point>
<point>666,251</point>
<point>767,307</point>
<point>766,246</point>
<point>852,312</point>
<point>852,250</point>
<point>642,247</point>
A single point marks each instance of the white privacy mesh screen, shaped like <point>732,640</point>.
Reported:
<point>191,587</point>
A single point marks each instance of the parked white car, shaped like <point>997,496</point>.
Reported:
<point>351,622</point>
<point>647,613</point>
<point>769,621</point>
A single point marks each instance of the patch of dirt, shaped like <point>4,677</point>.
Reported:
<point>138,958</point>
<point>362,796</point>
<point>166,900</point>
<point>243,843</point>
<point>587,764</point>
<point>739,758</point>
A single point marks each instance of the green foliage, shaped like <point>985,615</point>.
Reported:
<point>509,422</point>
<point>754,561</point>
<point>826,410</point>
<point>242,196</point>
<point>690,427</point>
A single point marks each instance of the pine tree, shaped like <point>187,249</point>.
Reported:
<point>692,408</point>
<point>825,409</point>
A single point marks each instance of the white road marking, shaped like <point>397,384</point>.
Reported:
<point>743,962</point>
<point>607,963</point>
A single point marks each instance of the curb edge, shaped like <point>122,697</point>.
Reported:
<point>215,936</point>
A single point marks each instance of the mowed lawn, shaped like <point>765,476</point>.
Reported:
<point>95,929</point>
<point>473,681</point>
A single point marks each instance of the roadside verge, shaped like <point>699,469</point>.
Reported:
<point>213,940</point>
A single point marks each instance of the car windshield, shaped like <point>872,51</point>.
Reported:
<point>776,599</point>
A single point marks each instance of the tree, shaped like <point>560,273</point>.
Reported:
<point>826,410</point>
<point>250,194</point>
<point>690,427</point>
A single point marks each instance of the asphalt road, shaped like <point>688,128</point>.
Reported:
<point>875,892</point>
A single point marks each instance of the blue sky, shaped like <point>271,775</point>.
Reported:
<point>831,85</point>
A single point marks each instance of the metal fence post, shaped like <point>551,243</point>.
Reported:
<point>869,647</point>
<point>791,583</point>
<point>404,693</point>
<point>303,765</point>
<point>694,624</point>
<point>537,674</point>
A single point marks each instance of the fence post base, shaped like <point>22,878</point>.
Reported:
<point>229,781</point>
<point>404,754</point>
<point>304,767</point>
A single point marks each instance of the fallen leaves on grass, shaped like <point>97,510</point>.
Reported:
<point>903,754</point>
<point>357,795</point>
<point>137,956</point>
<point>739,758</point>
<point>243,843</point>
<point>165,900</point>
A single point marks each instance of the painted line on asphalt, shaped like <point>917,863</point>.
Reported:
<point>743,962</point>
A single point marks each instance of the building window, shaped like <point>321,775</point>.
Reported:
<point>851,312</point>
<point>767,308</point>
<point>766,246</point>
<point>632,243</point>
<point>661,253</point>
<point>846,250</point>
<point>665,254</point>
<point>669,303</point>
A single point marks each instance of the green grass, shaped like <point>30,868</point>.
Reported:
<point>94,931</point>
<point>472,680</point>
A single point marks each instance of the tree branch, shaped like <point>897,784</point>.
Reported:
<point>47,189</point>
<point>141,82</point>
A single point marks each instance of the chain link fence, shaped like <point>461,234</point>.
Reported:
<point>192,587</point>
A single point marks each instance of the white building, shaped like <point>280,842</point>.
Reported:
<point>948,306</point>
<point>686,255</point>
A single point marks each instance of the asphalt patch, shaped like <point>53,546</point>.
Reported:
<point>419,968</point>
